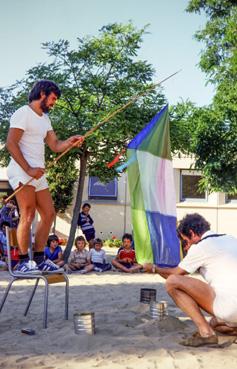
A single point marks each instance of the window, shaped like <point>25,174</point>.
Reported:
<point>231,198</point>
<point>98,190</point>
<point>189,186</point>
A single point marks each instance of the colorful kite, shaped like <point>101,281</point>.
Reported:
<point>152,193</point>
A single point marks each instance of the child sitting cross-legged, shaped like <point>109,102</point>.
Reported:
<point>79,259</point>
<point>126,257</point>
<point>53,252</point>
<point>98,257</point>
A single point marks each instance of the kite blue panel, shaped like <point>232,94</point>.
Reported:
<point>164,240</point>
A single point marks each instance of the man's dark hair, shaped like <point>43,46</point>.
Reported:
<point>52,237</point>
<point>195,222</point>
<point>44,86</point>
<point>79,238</point>
<point>127,236</point>
<point>86,204</point>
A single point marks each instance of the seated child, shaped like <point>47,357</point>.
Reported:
<point>98,257</point>
<point>3,239</point>
<point>3,244</point>
<point>79,258</point>
<point>126,258</point>
<point>53,251</point>
<point>3,249</point>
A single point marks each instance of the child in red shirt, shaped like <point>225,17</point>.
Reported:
<point>126,257</point>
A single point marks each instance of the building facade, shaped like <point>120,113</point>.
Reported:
<point>110,204</point>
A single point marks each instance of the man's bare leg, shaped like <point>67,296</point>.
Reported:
<point>45,207</point>
<point>27,203</point>
<point>190,295</point>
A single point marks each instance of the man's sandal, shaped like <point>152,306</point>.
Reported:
<point>196,340</point>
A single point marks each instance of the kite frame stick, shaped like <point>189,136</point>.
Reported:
<point>97,126</point>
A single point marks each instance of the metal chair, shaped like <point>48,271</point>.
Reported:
<point>47,278</point>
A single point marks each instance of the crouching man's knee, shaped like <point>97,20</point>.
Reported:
<point>172,283</point>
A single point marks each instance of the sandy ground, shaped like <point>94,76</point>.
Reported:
<point>126,337</point>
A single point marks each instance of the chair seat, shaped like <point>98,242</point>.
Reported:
<point>54,278</point>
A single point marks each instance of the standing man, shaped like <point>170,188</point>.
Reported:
<point>214,256</point>
<point>30,129</point>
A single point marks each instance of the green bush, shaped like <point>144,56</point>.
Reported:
<point>113,242</point>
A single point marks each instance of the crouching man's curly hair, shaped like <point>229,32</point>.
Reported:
<point>195,222</point>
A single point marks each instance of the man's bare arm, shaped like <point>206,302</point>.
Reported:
<point>57,145</point>
<point>164,272</point>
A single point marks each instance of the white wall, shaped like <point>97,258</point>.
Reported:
<point>111,217</point>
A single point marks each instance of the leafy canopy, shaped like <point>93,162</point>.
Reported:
<point>214,140</point>
<point>100,74</point>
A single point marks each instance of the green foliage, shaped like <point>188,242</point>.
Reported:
<point>97,77</point>
<point>113,242</point>
<point>219,57</point>
<point>214,138</point>
<point>182,127</point>
<point>214,146</point>
<point>61,178</point>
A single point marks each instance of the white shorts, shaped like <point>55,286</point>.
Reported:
<point>225,307</point>
<point>17,176</point>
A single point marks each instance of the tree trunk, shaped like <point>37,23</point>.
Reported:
<point>54,225</point>
<point>77,206</point>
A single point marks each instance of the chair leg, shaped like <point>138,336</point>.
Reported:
<point>46,297</point>
<point>66,297</point>
<point>6,293</point>
<point>31,297</point>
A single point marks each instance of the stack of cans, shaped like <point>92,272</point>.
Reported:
<point>158,310</point>
<point>147,295</point>
<point>84,323</point>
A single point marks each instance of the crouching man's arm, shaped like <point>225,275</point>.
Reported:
<point>163,272</point>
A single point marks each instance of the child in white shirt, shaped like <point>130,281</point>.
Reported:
<point>98,257</point>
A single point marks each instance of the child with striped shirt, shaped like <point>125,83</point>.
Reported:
<point>86,223</point>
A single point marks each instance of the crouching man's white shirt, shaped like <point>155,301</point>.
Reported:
<point>215,258</point>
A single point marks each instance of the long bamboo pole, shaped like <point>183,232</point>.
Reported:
<point>97,126</point>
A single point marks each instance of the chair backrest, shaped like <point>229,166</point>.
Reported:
<point>11,242</point>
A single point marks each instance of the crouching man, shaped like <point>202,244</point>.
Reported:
<point>214,256</point>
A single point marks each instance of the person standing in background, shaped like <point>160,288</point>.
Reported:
<point>86,223</point>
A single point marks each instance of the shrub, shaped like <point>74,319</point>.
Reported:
<point>113,242</point>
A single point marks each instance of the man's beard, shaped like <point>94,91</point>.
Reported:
<point>43,106</point>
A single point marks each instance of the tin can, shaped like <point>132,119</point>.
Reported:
<point>157,310</point>
<point>147,295</point>
<point>165,303</point>
<point>84,323</point>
